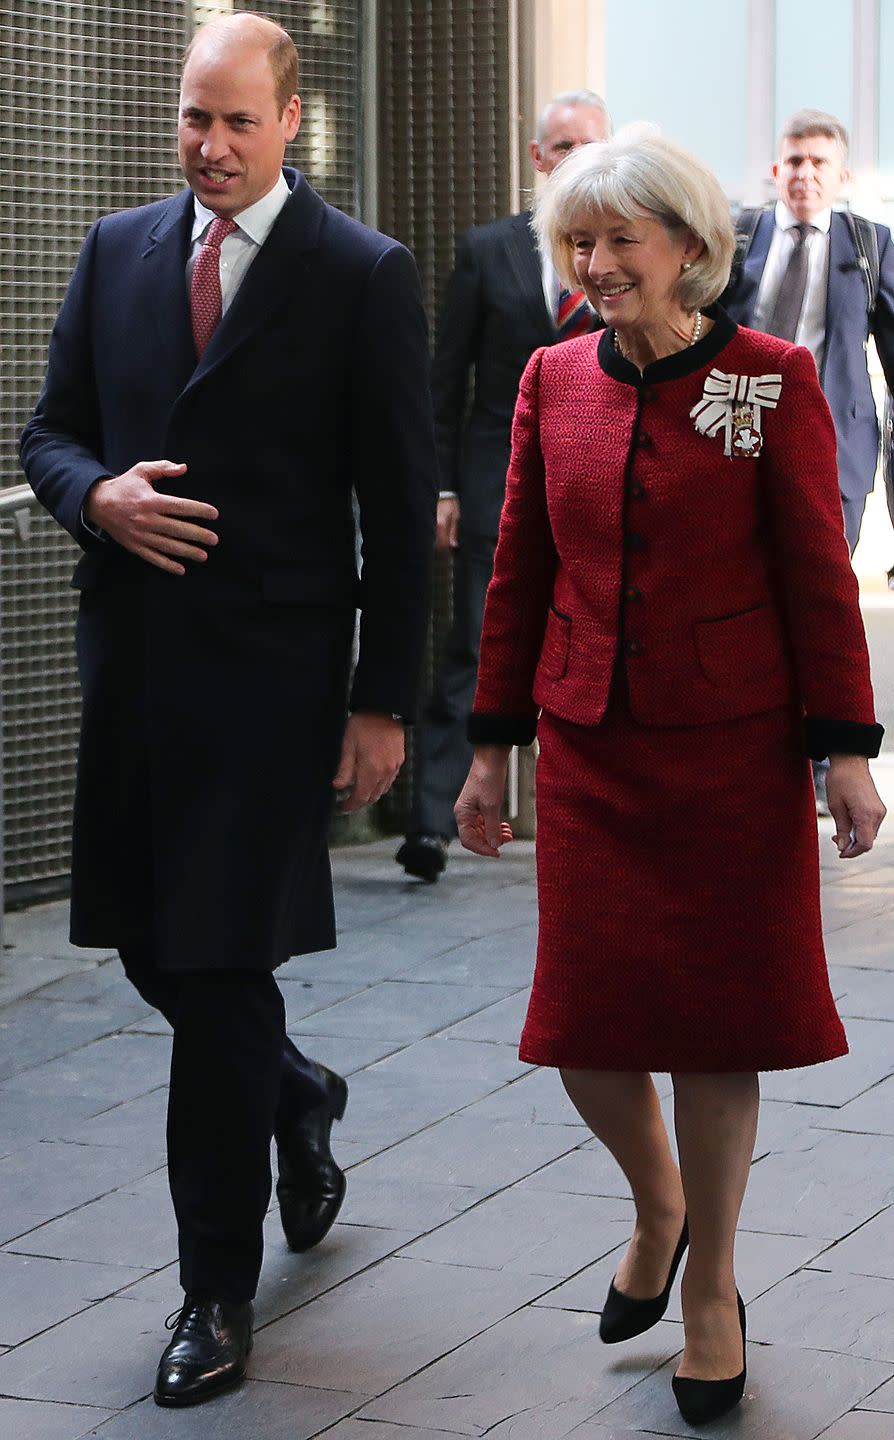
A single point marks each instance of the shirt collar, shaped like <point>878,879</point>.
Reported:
<point>785,219</point>
<point>256,221</point>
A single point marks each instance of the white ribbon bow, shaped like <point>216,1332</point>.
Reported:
<point>733,401</point>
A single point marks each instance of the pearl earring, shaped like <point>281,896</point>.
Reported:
<point>687,265</point>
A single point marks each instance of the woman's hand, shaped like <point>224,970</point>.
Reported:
<point>478,808</point>
<point>854,803</point>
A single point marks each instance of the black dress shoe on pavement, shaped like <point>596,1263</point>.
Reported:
<point>700,1401</point>
<point>310,1188</point>
<point>211,1343</point>
<point>623,1317</point>
<point>424,856</point>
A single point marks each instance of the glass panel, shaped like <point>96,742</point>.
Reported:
<point>814,57</point>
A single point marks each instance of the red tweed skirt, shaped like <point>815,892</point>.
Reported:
<point>678,885</point>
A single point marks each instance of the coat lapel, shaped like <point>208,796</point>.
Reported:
<point>295,232</point>
<point>164,271</point>
<point>525,262</point>
<point>753,269</point>
<point>840,291</point>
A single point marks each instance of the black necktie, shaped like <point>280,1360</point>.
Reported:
<point>790,297</point>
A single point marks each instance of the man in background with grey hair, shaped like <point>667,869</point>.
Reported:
<point>503,301</point>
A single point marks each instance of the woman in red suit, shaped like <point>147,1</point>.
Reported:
<point>674,614</point>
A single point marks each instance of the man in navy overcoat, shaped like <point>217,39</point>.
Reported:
<point>215,395</point>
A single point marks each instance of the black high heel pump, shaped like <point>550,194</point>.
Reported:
<point>702,1400</point>
<point>623,1317</point>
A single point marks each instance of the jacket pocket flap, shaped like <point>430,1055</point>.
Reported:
<point>734,648</point>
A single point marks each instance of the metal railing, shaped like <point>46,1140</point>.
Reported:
<point>16,508</point>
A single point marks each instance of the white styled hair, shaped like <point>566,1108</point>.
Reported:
<point>641,175</point>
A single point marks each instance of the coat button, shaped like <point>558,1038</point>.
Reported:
<point>648,392</point>
<point>633,647</point>
<point>643,439</point>
<point>635,542</point>
<point>633,592</point>
<point>637,491</point>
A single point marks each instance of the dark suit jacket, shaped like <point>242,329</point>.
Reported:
<point>844,377</point>
<point>214,702</point>
<point>494,317</point>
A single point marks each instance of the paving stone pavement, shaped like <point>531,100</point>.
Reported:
<point>459,1293</point>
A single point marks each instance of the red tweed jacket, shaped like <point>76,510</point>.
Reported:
<point>721,581</point>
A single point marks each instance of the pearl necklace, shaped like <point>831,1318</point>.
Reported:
<point>696,333</point>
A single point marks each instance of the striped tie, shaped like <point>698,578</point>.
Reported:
<point>575,316</point>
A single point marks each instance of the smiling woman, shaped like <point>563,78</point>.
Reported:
<point>673,613</point>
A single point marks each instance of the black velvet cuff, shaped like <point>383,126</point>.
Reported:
<point>824,737</point>
<point>502,729</point>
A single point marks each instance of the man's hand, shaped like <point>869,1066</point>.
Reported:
<point>161,529</point>
<point>447,537</point>
<point>854,803</point>
<point>372,753</point>
<point>478,808</point>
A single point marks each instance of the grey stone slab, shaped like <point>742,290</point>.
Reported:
<point>125,1227</point>
<point>254,1411</point>
<point>536,1098</point>
<point>465,1151</point>
<point>866,943</point>
<point>851,1314</point>
<point>34,1420</point>
<point>535,1376</point>
<point>824,1190</point>
<point>26,974</point>
<point>346,1055</point>
<point>25,1119</point>
<point>871,1059</point>
<point>105,1356</point>
<point>43,930</point>
<point>46,1180</point>
<point>117,1067</point>
<point>366,956</point>
<point>588,1170</point>
<point>38,1293</point>
<point>867,1251</point>
<point>34,1031</point>
<point>382,1326</point>
<point>872,1113</point>
<point>518,1230</point>
<point>477,914</point>
<point>843,904</point>
<point>396,1205</point>
<point>398,1010</point>
<point>480,962</point>
<point>105,989</point>
<point>864,994</point>
<point>860,1425</point>
<point>783,1126</point>
<point>451,1062</point>
<point>761,1262</point>
<point>306,997</point>
<point>500,1024</point>
<point>354,1429</point>
<point>880,1399</point>
<point>133,1124</point>
<point>790,1394</point>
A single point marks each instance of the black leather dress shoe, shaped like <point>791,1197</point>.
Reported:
<point>424,856</point>
<point>623,1317</point>
<point>311,1187</point>
<point>211,1343</point>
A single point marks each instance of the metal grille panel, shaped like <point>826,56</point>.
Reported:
<point>88,126</point>
<point>445,142</point>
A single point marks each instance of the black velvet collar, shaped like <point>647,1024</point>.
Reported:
<point>671,367</point>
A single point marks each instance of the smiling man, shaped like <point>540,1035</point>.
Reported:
<point>274,352</point>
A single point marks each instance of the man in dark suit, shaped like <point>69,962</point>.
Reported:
<point>277,351</point>
<point>503,300</point>
<point>804,278</point>
<point>809,276</point>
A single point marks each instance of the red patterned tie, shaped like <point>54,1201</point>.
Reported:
<point>575,316</point>
<point>205,297</point>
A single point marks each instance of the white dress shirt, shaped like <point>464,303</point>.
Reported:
<point>811,329</point>
<point>237,251</point>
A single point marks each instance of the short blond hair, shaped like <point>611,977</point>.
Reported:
<point>641,175</point>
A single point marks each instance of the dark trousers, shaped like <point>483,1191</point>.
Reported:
<point>236,1079</point>
<point>442,752</point>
